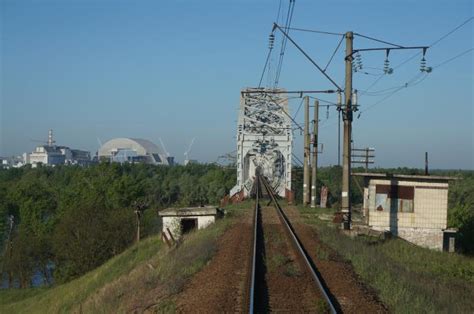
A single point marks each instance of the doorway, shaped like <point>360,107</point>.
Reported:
<point>188,225</point>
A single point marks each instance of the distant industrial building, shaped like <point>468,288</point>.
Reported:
<point>134,150</point>
<point>51,154</point>
<point>3,162</point>
<point>411,207</point>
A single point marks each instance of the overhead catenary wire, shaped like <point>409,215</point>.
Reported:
<point>417,79</point>
<point>377,40</point>
<point>289,17</point>
<point>453,58</point>
<point>314,31</point>
<point>437,41</point>
<point>265,67</point>
<point>388,90</point>
<point>307,56</point>
<point>334,53</point>
<point>412,82</point>
<point>299,107</point>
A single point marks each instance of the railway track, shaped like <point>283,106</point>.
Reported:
<point>278,288</point>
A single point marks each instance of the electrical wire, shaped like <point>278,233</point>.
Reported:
<point>410,83</point>
<point>453,58</point>
<point>452,31</point>
<point>299,107</point>
<point>418,53</point>
<point>289,17</point>
<point>378,40</point>
<point>334,53</point>
<point>315,31</point>
<point>387,90</point>
<point>265,67</point>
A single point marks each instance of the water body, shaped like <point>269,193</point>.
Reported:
<point>37,280</point>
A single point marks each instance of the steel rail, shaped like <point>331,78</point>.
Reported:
<point>254,251</point>
<point>298,245</point>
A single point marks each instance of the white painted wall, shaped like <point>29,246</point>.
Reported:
<point>174,223</point>
<point>424,226</point>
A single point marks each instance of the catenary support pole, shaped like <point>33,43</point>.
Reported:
<point>314,160</point>
<point>366,159</point>
<point>426,164</point>
<point>347,118</point>
<point>307,157</point>
<point>339,138</point>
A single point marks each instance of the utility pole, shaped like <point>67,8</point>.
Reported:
<point>426,164</point>
<point>339,138</point>
<point>339,108</point>
<point>314,161</point>
<point>366,159</point>
<point>138,208</point>
<point>347,118</point>
<point>307,157</point>
<point>367,154</point>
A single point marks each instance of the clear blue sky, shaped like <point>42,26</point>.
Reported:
<point>174,69</point>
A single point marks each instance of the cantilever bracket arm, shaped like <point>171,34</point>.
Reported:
<point>386,49</point>
<point>276,26</point>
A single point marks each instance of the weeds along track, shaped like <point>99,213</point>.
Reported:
<point>282,275</point>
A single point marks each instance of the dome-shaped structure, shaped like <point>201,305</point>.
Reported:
<point>133,150</point>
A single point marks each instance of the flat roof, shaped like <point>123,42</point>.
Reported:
<point>412,177</point>
<point>190,211</point>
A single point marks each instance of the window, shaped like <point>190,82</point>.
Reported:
<point>394,198</point>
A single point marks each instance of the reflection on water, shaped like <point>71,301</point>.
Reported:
<point>37,280</point>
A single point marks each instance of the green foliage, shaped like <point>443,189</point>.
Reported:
<point>62,298</point>
<point>142,271</point>
<point>330,177</point>
<point>407,278</point>
<point>77,218</point>
<point>461,195</point>
<point>461,211</point>
<point>88,236</point>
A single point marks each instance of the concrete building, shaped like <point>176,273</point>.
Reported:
<point>412,207</point>
<point>134,150</point>
<point>51,154</point>
<point>183,220</point>
<point>264,140</point>
<point>46,155</point>
<point>4,163</point>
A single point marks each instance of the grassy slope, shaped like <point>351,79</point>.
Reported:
<point>409,279</point>
<point>130,280</point>
<point>65,297</point>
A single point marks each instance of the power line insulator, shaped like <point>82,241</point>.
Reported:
<point>354,99</point>
<point>339,100</point>
<point>423,64</point>
<point>271,41</point>
<point>358,61</point>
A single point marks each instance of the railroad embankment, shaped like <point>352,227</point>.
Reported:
<point>145,277</point>
<point>406,278</point>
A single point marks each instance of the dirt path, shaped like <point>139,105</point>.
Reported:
<point>219,286</point>
<point>352,295</point>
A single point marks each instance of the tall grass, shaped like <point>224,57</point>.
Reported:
<point>409,279</point>
<point>64,297</point>
<point>145,276</point>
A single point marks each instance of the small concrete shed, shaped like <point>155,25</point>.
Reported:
<point>183,220</point>
<point>412,207</point>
